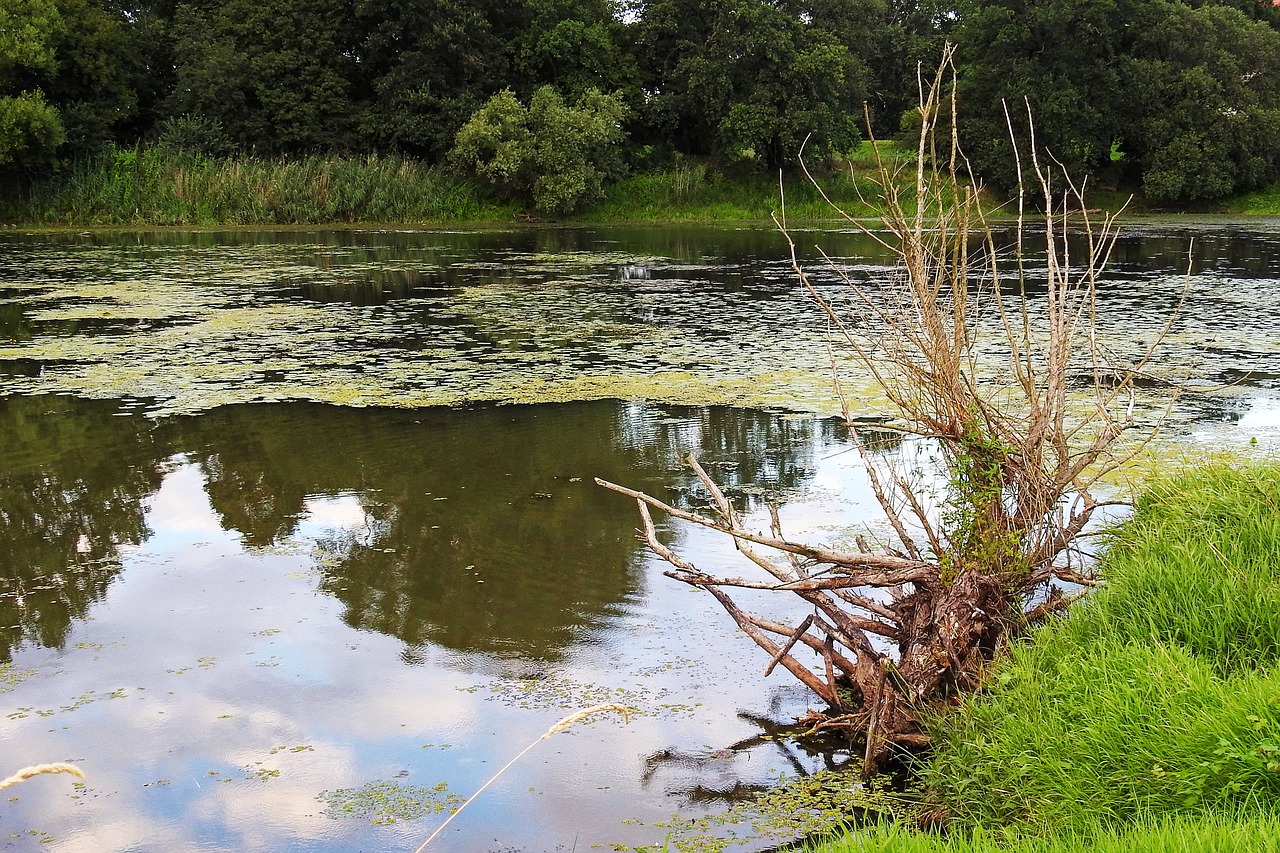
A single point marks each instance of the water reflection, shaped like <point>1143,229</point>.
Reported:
<point>478,530</point>
<point>309,590</point>
<point>72,488</point>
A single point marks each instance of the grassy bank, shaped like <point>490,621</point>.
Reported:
<point>1261,203</point>
<point>690,191</point>
<point>1149,719</point>
<point>159,186</point>
<point>1217,834</point>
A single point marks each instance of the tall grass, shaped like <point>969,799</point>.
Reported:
<point>1263,202</point>
<point>159,185</point>
<point>164,186</point>
<point>691,190</point>
<point>693,193</point>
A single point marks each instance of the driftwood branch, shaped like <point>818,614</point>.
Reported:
<point>872,569</point>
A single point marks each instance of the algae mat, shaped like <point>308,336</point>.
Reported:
<point>184,322</point>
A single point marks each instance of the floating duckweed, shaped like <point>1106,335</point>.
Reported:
<point>794,810</point>
<point>11,676</point>
<point>454,320</point>
<point>550,691</point>
<point>386,801</point>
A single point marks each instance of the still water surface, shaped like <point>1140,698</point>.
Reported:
<point>265,610</point>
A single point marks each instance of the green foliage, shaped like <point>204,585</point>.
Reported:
<point>1187,93</point>
<point>26,27</point>
<point>690,190</point>
<point>194,134</point>
<point>574,45</point>
<point>428,66</point>
<point>1184,91</point>
<point>1159,696</point>
<point>1207,101</point>
<point>556,155</point>
<point>1213,834</point>
<point>973,520</point>
<point>92,85</point>
<point>1265,202</point>
<point>1040,52</point>
<point>748,81</point>
<point>277,75</point>
<point>30,129</point>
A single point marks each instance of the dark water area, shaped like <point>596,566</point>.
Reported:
<point>299,540</point>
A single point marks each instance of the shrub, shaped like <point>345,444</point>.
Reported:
<point>555,155</point>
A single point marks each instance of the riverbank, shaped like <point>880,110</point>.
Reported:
<point>1148,720</point>
<point>157,186</point>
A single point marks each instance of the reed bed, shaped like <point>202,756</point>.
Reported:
<point>147,186</point>
<point>164,186</point>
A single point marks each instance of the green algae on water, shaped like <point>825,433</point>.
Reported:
<point>386,801</point>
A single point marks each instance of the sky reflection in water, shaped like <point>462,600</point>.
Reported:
<point>390,599</point>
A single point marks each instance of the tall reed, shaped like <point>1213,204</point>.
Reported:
<point>164,186</point>
<point>40,770</point>
<point>566,723</point>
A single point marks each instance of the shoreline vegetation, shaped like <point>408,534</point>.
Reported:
<point>1148,718</point>
<point>157,186</point>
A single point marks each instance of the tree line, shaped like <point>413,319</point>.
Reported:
<point>1179,99</point>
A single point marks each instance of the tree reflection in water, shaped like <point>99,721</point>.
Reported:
<point>72,487</point>
<point>480,530</point>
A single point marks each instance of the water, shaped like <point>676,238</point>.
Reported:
<point>679,315</point>
<point>223,617</point>
<point>261,620</point>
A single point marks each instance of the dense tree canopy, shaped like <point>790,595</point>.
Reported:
<point>1206,104</point>
<point>1177,97</point>
<point>751,80</point>
<point>1178,100</point>
<point>555,154</point>
<point>30,129</point>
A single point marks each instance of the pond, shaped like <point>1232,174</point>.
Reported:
<point>300,541</point>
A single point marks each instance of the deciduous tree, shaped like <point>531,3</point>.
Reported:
<point>276,74</point>
<point>30,129</point>
<point>1205,96</point>
<point>552,153</point>
<point>750,80</point>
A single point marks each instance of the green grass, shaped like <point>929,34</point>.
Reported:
<point>159,186</point>
<point>1154,709</point>
<point>691,191</point>
<point>1264,202</point>
<point>156,186</point>
<point>149,186</point>
<point>1217,834</point>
